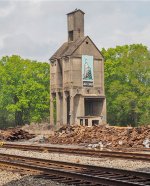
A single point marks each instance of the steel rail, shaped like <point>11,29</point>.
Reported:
<point>76,174</point>
<point>78,151</point>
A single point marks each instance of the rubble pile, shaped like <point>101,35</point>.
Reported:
<point>103,136</point>
<point>14,134</point>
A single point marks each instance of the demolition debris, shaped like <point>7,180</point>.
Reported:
<point>15,134</point>
<point>103,136</point>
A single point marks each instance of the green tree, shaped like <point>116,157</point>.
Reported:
<point>24,90</point>
<point>127,83</point>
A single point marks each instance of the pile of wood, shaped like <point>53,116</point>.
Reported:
<point>15,134</point>
<point>107,135</point>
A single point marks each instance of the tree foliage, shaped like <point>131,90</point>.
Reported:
<point>24,90</point>
<point>127,84</point>
<point>24,87</point>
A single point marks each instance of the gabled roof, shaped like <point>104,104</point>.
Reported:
<point>58,54</point>
<point>76,10</point>
<point>73,46</point>
<point>68,48</point>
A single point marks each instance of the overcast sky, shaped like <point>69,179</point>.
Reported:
<point>35,29</point>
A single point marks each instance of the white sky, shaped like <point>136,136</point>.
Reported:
<point>35,29</point>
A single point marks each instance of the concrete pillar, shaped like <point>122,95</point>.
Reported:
<point>102,76</point>
<point>58,109</point>
<point>61,109</point>
<point>104,114</point>
<point>64,108</point>
<point>52,109</point>
<point>82,109</point>
<point>72,110</point>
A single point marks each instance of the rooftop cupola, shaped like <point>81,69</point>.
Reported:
<point>75,25</point>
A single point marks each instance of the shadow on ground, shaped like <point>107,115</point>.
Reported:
<point>32,181</point>
<point>144,169</point>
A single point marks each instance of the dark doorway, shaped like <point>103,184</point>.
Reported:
<point>93,106</point>
<point>81,122</point>
<point>95,122</point>
<point>86,122</point>
<point>68,110</point>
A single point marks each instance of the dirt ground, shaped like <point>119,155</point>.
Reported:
<point>40,128</point>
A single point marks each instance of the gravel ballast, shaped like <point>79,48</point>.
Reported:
<point>105,162</point>
<point>14,179</point>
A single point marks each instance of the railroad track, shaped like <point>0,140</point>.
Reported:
<point>78,151</point>
<point>72,173</point>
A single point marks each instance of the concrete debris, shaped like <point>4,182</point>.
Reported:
<point>103,136</point>
<point>96,146</point>
<point>38,139</point>
<point>146,143</point>
<point>15,134</point>
<point>101,145</point>
<point>120,142</point>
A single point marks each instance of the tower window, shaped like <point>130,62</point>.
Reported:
<point>70,35</point>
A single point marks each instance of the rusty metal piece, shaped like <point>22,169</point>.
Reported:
<point>86,152</point>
